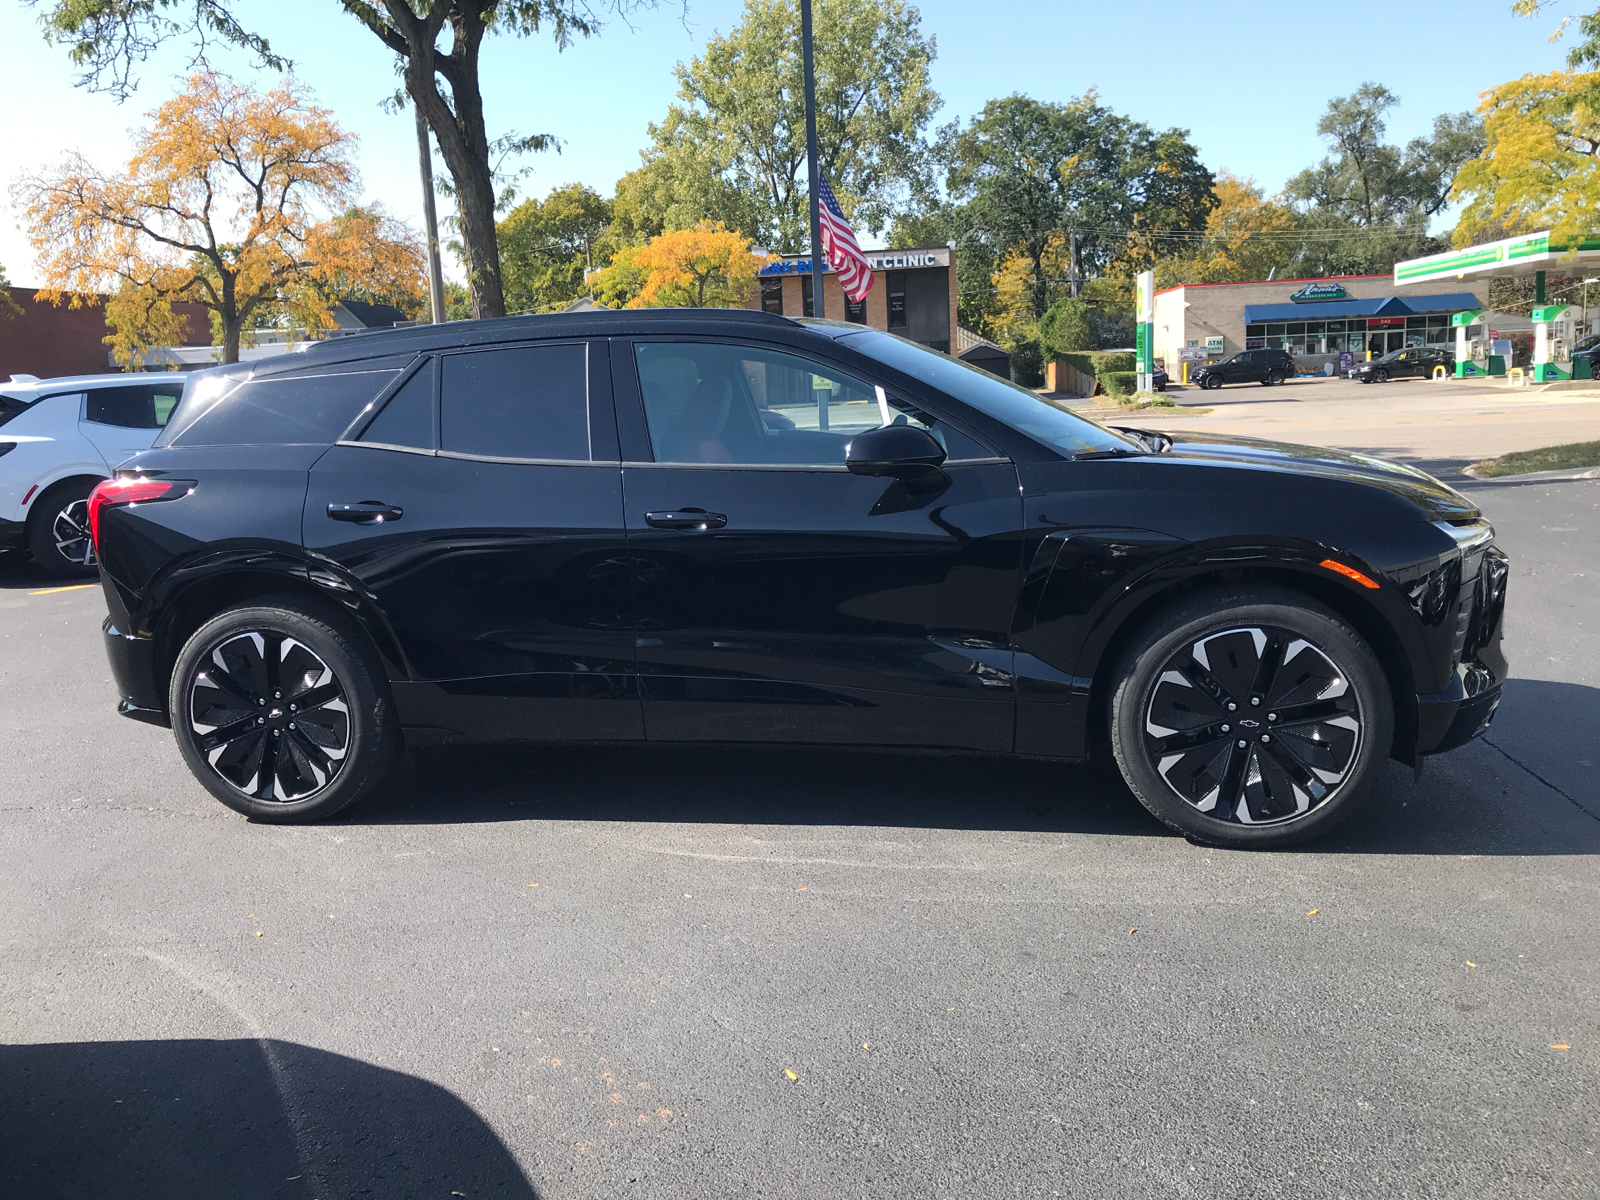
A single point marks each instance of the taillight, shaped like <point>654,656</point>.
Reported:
<point>131,489</point>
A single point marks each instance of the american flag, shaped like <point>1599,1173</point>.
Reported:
<point>839,245</point>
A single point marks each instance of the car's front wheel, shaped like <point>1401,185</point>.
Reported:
<point>1251,718</point>
<point>1381,376</point>
<point>281,713</point>
<point>58,529</point>
<point>1211,382</point>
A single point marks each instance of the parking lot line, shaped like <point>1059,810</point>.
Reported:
<point>71,587</point>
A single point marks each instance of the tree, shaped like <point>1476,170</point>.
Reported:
<point>1028,176</point>
<point>108,37</point>
<point>9,311</point>
<point>1368,182</point>
<point>704,267</point>
<point>1540,168</point>
<point>547,247</point>
<point>1064,329</point>
<point>234,200</point>
<point>1587,52</point>
<point>734,148</point>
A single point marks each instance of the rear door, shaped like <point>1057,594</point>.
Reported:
<point>782,598</point>
<point>481,510</point>
<point>124,420</point>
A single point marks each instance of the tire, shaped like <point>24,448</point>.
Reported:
<point>58,529</point>
<point>1273,379</point>
<point>1180,748</point>
<point>1212,383</point>
<point>1381,376</point>
<point>225,676</point>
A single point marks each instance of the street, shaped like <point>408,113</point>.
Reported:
<point>798,973</point>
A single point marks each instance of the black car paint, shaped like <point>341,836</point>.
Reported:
<point>832,607</point>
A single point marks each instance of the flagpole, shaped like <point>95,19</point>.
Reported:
<point>817,257</point>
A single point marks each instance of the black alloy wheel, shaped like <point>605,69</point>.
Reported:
<point>1251,719</point>
<point>279,713</point>
<point>1211,382</point>
<point>58,529</point>
<point>1381,375</point>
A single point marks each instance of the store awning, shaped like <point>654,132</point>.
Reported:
<point>1387,306</point>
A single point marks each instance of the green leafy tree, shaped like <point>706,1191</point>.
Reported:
<point>1064,328</point>
<point>437,45</point>
<point>733,149</point>
<point>9,311</point>
<point>1027,178</point>
<point>547,246</point>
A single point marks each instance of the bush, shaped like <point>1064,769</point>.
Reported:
<point>1027,364</point>
<point>1064,328</point>
<point>1118,383</point>
<point>1094,362</point>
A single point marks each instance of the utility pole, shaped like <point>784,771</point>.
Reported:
<point>1072,262</point>
<point>430,218</point>
<point>817,257</point>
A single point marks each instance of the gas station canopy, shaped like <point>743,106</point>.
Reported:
<point>1509,258</point>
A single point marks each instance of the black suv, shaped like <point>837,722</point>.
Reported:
<point>713,527</point>
<point>1415,362</point>
<point>1248,366</point>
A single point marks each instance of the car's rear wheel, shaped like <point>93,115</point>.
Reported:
<point>1273,379</point>
<point>281,713</point>
<point>1251,718</point>
<point>58,529</point>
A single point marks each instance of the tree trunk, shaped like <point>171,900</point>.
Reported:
<point>463,142</point>
<point>230,316</point>
<point>231,331</point>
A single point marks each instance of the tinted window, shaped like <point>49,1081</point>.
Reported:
<point>147,406</point>
<point>407,417</point>
<point>221,410</point>
<point>528,402</point>
<point>10,406</point>
<point>709,403</point>
<point>1025,411</point>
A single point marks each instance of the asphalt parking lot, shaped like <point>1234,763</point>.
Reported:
<point>798,973</point>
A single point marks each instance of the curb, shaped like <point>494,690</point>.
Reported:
<point>1536,476</point>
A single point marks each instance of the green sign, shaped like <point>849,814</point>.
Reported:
<point>1318,291</point>
<point>1144,348</point>
<point>1551,312</point>
<point>1466,318</point>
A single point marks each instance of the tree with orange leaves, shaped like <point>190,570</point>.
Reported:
<point>709,266</point>
<point>235,200</point>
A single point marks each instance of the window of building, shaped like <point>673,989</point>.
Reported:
<point>529,402</point>
<point>772,295</point>
<point>807,304</point>
<point>855,313</point>
<point>896,281</point>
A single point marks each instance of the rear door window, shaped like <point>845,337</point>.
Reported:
<point>521,402</point>
<point>146,406</point>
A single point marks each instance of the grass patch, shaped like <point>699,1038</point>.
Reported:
<point>1550,458</point>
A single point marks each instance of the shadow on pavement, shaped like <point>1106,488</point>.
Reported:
<point>238,1119</point>
<point>18,571</point>
<point>1474,801</point>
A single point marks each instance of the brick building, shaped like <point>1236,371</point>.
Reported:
<point>913,293</point>
<point>48,340</point>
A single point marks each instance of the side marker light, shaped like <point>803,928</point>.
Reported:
<point>1339,568</point>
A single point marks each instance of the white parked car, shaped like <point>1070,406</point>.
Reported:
<point>58,439</point>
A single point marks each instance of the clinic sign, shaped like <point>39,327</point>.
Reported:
<point>1319,291</point>
<point>884,260</point>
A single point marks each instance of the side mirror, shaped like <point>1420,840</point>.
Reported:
<point>901,452</point>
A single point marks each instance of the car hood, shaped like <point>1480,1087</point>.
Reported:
<point>1438,500</point>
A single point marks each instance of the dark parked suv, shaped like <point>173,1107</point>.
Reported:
<point>696,526</point>
<point>1248,366</point>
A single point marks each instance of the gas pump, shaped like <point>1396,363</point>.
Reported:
<point>1552,343</point>
<point>1471,360</point>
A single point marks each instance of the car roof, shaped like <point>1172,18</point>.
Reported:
<point>603,322</point>
<point>29,390</point>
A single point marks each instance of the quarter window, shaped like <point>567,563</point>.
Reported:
<point>711,403</point>
<point>527,402</point>
<point>144,407</point>
<point>407,418</point>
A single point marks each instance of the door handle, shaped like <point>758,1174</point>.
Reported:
<point>696,520</point>
<point>368,512</point>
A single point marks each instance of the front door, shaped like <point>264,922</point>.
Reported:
<point>481,510</point>
<point>782,598</point>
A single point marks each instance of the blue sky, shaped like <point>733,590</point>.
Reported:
<point>1247,78</point>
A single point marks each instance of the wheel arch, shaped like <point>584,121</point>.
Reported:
<point>188,598</point>
<point>76,473</point>
<point>1140,606</point>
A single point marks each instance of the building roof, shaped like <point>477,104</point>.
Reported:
<point>1384,306</point>
<point>966,340</point>
<point>1178,287</point>
<point>373,316</point>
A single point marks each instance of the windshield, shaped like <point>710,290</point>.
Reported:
<point>1027,412</point>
